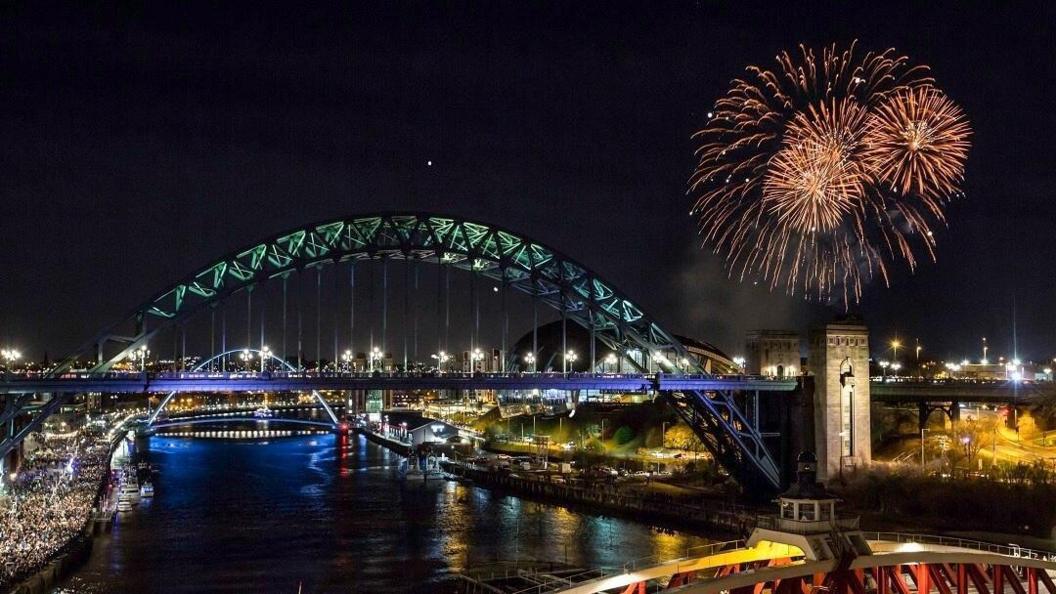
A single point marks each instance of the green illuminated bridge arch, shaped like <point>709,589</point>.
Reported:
<point>504,256</point>
<point>507,257</point>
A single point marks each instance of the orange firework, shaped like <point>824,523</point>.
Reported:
<point>917,142</point>
<point>814,182</point>
<point>811,176</point>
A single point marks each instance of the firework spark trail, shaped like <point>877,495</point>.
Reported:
<point>819,175</point>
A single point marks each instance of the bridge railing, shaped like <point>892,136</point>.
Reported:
<point>1009,550</point>
<point>305,374</point>
<point>694,552</point>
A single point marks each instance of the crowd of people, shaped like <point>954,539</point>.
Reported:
<point>50,500</point>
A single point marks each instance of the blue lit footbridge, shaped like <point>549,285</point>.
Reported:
<point>407,301</point>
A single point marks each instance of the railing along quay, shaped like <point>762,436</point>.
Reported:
<point>734,519</point>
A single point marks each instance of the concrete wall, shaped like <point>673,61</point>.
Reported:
<point>840,349</point>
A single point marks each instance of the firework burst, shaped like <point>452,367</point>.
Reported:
<point>917,143</point>
<point>821,173</point>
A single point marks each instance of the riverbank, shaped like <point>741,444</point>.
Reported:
<point>73,554</point>
<point>658,510</point>
<point>397,446</point>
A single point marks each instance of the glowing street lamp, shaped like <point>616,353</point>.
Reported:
<point>9,356</point>
<point>529,358</point>
<point>140,355</point>
<point>375,355</point>
<point>348,358</point>
<point>570,357</point>
<point>739,361</point>
<point>474,358</point>
<point>441,358</point>
<point>895,367</point>
<point>883,368</point>
<point>895,345</point>
<point>245,356</point>
<point>610,359</point>
<point>265,354</point>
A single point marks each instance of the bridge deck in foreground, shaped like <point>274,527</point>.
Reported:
<point>899,564</point>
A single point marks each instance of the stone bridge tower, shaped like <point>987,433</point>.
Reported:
<point>839,359</point>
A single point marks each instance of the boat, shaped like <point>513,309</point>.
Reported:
<point>124,503</point>
<point>130,490</point>
<point>147,490</point>
<point>263,413</point>
<point>420,467</point>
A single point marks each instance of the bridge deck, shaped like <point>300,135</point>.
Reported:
<point>299,381</point>
<point>753,568</point>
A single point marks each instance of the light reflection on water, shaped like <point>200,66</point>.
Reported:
<point>327,512</point>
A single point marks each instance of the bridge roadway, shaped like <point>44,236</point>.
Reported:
<point>898,564</point>
<point>985,392</point>
<point>118,383</point>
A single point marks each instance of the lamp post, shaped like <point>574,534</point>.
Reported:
<point>895,367</point>
<point>610,360</point>
<point>570,357</point>
<point>9,356</point>
<point>245,356</point>
<point>883,369</point>
<point>375,355</point>
<point>895,345</point>
<point>441,358</point>
<point>265,354</point>
<point>922,432</point>
<point>739,362</point>
<point>529,358</point>
<point>140,355</point>
<point>348,359</point>
<point>474,358</point>
<point>663,434</point>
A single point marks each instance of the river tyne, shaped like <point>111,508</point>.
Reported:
<point>326,513</point>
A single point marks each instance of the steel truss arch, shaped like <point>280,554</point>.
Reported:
<point>514,260</point>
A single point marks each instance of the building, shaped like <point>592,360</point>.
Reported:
<point>772,352</point>
<point>839,359</point>
<point>418,429</point>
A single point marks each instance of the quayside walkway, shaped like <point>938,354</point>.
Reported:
<point>808,546</point>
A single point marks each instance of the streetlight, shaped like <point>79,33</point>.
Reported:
<point>570,357</point>
<point>441,358</point>
<point>348,358</point>
<point>375,355</point>
<point>883,369</point>
<point>246,356</point>
<point>922,432</point>
<point>895,367</point>
<point>895,345</point>
<point>529,358</point>
<point>739,362</point>
<point>663,434</point>
<point>265,354</point>
<point>10,355</point>
<point>610,360</point>
<point>474,357</point>
<point>141,355</point>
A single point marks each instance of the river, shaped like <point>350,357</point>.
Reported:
<point>326,513</point>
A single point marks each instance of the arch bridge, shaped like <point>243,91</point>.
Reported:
<point>724,416</point>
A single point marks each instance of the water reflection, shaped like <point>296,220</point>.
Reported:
<point>326,512</point>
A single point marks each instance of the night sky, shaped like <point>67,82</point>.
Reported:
<point>142,142</point>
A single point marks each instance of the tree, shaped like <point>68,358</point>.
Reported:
<point>972,435</point>
<point>681,437</point>
<point>623,435</point>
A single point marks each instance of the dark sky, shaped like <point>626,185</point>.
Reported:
<point>143,141</point>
